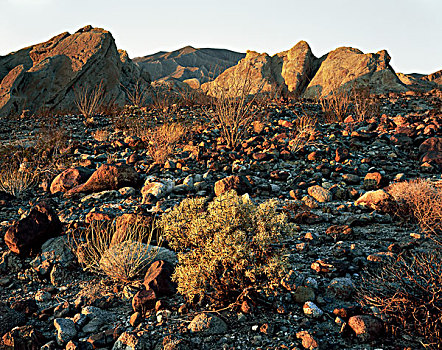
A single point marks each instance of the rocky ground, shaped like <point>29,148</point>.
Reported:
<point>55,304</point>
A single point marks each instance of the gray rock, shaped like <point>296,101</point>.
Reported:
<point>207,324</point>
<point>66,330</point>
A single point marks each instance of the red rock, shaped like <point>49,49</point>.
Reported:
<point>25,337</point>
<point>239,183</point>
<point>27,235</point>
<point>144,301</point>
<point>158,278</point>
<point>308,342</point>
<point>70,178</point>
<point>374,181</point>
<point>366,327</point>
<point>341,154</point>
<point>108,177</point>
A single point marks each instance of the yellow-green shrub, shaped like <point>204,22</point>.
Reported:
<point>225,246</point>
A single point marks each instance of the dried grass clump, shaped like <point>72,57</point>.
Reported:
<point>225,247</point>
<point>408,292</point>
<point>337,105</point>
<point>122,259</point>
<point>422,200</point>
<point>163,140</point>
<point>18,178</point>
<point>304,133</point>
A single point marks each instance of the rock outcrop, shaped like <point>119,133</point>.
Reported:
<point>44,76</point>
<point>189,64</point>
<point>421,82</point>
<point>286,71</point>
<point>348,68</point>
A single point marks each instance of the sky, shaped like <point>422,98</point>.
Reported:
<point>410,30</point>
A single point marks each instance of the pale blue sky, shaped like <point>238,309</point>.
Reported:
<point>411,30</point>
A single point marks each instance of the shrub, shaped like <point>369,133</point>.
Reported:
<point>408,292</point>
<point>162,140</point>
<point>122,253</point>
<point>421,200</point>
<point>226,246</point>
<point>234,109</point>
<point>89,101</point>
<point>304,134</point>
<point>337,105</point>
<point>17,178</point>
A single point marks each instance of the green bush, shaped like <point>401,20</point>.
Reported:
<point>226,246</point>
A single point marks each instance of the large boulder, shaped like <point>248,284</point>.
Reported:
<point>70,178</point>
<point>108,177</point>
<point>44,76</point>
<point>286,71</point>
<point>348,68</point>
<point>28,234</point>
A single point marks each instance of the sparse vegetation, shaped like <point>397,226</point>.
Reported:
<point>17,178</point>
<point>119,251</point>
<point>421,200</point>
<point>162,140</point>
<point>408,293</point>
<point>89,101</point>
<point>234,109</point>
<point>304,133</point>
<point>226,246</point>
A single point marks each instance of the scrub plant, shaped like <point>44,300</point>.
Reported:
<point>226,246</point>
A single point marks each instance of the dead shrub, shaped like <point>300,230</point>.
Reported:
<point>89,101</point>
<point>234,108</point>
<point>421,200</point>
<point>304,133</point>
<point>137,93</point>
<point>16,178</point>
<point>122,259</point>
<point>337,105</point>
<point>162,140</point>
<point>408,293</point>
<point>365,104</point>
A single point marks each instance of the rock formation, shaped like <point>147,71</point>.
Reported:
<point>348,67</point>
<point>421,82</point>
<point>44,76</point>
<point>286,71</point>
<point>189,63</point>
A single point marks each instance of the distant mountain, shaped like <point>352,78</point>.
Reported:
<point>189,63</point>
<point>421,82</point>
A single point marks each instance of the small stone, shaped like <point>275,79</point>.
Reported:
<point>303,294</point>
<point>135,319</point>
<point>66,330</point>
<point>312,310</point>
<point>308,342</point>
<point>366,327</point>
<point>207,324</point>
<point>320,194</point>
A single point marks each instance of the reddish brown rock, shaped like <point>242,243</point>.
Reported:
<point>308,341</point>
<point>158,278</point>
<point>70,178</point>
<point>27,235</point>
<point>108,177</point>
<point>341,154</point>
<point>24,338</point>
<point>238,183</point>
<point>366,327</point>
<point>431,150</point>
<point>374,181</point>
<point>144,301</point>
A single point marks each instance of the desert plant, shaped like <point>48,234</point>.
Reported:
<point>137,94</point>
<point>304,133</point>
<point>422,200</point>
<point>120,252</point>
<point>89,101</point>
<point>234,109</point>
<point>162,140</point>
<point>226,246</point>
<point>17,178</point>
<point>337,105</point>
<point>408,292</point>
<point>364,104</point>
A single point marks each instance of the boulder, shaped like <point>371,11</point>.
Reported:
<point>158,278</point>
<point>108,177</point>
<point>366,327</point>
<point>289,70</point>
<point>27,235</point>
<point>24,338</point>
<point>375,199</point>
<point>431,150</point>
<point>207,324</point>
<point>348,68</point>
<point>44,76</point>
<point>238,183</point>
<point>69,179</point>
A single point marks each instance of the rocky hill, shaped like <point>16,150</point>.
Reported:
<point>44,76</point>
<point>189,63</point>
